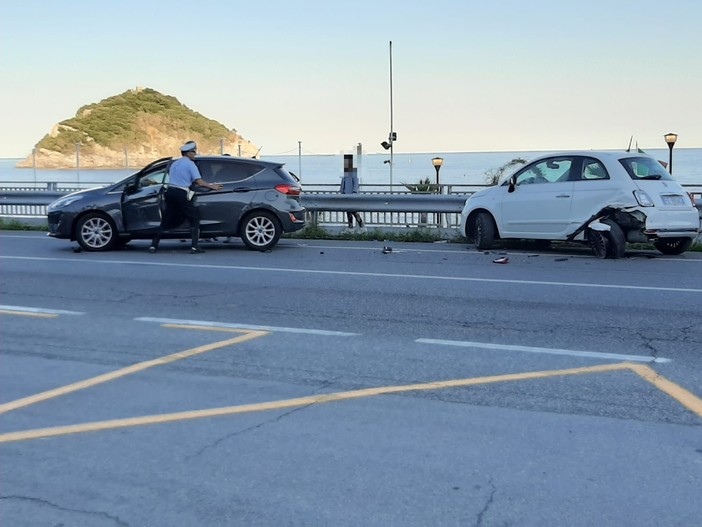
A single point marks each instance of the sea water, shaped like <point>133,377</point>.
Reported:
<point>458,168</point>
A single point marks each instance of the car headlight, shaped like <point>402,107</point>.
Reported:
<point>643,198</point>
<point>64,202</point>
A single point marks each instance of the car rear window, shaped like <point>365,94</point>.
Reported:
<point>227,171</point>
<point>645,168</point>
<point>285,175</point>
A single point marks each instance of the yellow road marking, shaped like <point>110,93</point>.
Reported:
<point>140,366</point>
<point>677,392</point>
<point>296,402</point>
<point>27,314</point>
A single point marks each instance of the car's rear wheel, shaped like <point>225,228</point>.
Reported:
<point>260,231</point>
<point>484,231</point>
<point>672,246</point>
<point>96,232</point>
<point>607,244</point>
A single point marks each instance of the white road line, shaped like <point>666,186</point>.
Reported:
<point>40,310</point>
<point>278,270</point>
<point>550,351</point>
<point>247,326</point>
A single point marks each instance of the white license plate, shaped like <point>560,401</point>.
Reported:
<point>673,200</point>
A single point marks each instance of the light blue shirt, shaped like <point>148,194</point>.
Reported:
<point>349,183</point>
<point>183,172</point>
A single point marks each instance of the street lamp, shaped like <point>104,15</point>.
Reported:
<point>437,162</point>
<point>670,138</point>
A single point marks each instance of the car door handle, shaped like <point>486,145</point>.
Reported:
<point>242,189</point>
<point>563,195</point>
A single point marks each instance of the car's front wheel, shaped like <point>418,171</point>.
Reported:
<point>96,232</point>
<point>484,231</point>
<point>260,231</point>
<point>673,246</point>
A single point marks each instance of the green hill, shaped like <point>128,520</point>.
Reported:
<point>132,128</point>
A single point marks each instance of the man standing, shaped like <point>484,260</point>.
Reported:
<point>179,198</point>
<point>349,185</point>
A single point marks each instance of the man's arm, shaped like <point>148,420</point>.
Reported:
<point>197,179</point>
<point>212,186</point>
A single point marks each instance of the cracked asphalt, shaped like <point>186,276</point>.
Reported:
<point>327,383</point>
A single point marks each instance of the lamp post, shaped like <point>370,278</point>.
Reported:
<point>437,162</point>
<point>670,138</point>
<point>392,135</point>
<point>299,159</point>
<point>78,163</point>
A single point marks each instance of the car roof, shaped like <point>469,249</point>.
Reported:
<point>244,160</point>
<point>601,154</point>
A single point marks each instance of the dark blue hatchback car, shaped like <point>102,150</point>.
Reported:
<point>260,201</point>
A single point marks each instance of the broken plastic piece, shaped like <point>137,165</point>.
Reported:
<point>502,260</point>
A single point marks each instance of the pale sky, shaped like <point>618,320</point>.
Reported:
<point>468,75</point>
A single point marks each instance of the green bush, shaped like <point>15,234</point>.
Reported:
<point>425,186</point>
<point>494,175</point>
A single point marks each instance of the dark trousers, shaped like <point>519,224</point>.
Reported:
<point>351,215</point>
<point>177,204</point>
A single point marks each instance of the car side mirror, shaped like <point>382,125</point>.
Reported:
<point>512,184</point>
<point>130,188</point>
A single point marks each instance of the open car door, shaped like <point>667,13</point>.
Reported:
<point>142,200</point>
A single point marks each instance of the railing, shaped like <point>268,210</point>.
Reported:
<point>387,210</point>
<point>324,204</point>
<point>381,210</point>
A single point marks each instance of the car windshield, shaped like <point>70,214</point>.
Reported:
<point>645,168</point>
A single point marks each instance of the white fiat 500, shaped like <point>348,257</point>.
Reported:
<point>604,199</point>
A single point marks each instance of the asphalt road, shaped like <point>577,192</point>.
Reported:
<point>331,384</point>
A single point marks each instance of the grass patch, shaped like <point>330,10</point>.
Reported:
<point>17,225</point>
<point>411,235</point>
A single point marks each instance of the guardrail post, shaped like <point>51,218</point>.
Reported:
<point>313,218</point>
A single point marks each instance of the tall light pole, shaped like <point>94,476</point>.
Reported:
<point>299,159</point>
<point>78,163</point>
<point>670,138</point>
<point>392,137</point>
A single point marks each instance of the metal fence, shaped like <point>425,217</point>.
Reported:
<point>380,210</point>
<point>326,207</point>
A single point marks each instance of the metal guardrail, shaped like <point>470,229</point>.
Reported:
<point>325,208</point>
<point>387,210</point>
<point>382,210</point>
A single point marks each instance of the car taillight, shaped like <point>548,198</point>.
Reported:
<point>287,188</point>
<point>643,198</point>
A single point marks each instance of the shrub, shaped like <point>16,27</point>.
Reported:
<point>494,175</point>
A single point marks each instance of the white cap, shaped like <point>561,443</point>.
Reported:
<point>187,147</point>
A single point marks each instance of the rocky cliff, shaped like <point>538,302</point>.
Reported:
<point>129,131</point>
